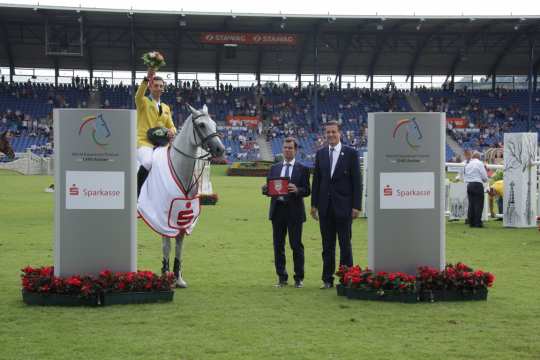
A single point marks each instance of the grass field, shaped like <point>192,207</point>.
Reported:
<point>231,310</point>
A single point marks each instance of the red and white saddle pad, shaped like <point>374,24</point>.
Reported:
<point>163,204</point>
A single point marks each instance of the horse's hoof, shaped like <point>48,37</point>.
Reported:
<point>181,284</point>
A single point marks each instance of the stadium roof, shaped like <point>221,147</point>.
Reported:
<point>397,45</point>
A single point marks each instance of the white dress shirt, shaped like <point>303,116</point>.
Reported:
<point>475,171</point>
<point>284,169</point>
<point>335,156</point>
<point>158,103</point>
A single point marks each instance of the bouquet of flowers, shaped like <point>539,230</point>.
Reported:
<point>154,60</point>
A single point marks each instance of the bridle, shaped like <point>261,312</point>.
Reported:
<point>204,140</point>
<point>203,144</point>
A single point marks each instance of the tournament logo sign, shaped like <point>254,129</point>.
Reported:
<point>98,129</point>
<point>411,129</point>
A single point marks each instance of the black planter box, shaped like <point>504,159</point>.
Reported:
<point>341,290</point>
<point>137,297</point>
<point>360,294</point>
<point>31,298</point>
<point>454,295</point>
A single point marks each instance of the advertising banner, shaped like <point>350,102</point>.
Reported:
<point>218,38</point>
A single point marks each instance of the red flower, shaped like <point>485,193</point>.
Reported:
<point>28,270</point>
<point>46,271</point>
<point>74,281</point>
<point>86,289</point>
<point>105,273</point>
<point>26,283</point>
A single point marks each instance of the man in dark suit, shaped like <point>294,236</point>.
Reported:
<point>288,214</point>
<point>335,200</point>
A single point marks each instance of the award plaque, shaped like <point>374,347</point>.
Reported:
<point>278,186</point>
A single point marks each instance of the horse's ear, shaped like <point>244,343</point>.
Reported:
<point>191,109</point>
<point>205,109</point>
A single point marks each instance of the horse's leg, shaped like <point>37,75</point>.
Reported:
<point>166,246</point>
<point>177,269</point>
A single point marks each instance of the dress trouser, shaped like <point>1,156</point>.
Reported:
<point>475,195</point>
<point>281,225</point>
<point>331,226</point>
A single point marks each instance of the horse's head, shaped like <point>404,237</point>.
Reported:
<point>205,132</point>
<point>5,146</point>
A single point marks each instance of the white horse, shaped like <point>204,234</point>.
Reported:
<point>169,201</point>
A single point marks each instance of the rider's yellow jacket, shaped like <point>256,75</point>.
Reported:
<point>149,116</point>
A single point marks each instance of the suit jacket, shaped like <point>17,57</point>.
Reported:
<point>343,188</point>
<point>148,115</point>
<point>300,178</point>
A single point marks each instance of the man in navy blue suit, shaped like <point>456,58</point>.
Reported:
<point>335,199</point>
<point>288,213</point>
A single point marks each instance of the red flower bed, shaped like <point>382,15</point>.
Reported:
<point>356,278</point>
<point>42,280</point>
<point>454,277</point>
<point>458,277</point>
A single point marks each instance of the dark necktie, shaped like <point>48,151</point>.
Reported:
<point>288,170</point>
<point>331,159</point>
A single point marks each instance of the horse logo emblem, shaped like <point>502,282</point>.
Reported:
<point>413,134</point>
<point>100,133</point>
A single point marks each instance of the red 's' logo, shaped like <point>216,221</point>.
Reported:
<point>74,190</point>
<point>387,191</point>
<point>185,216</point>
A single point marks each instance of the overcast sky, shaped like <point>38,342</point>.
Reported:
<point>343,7</point>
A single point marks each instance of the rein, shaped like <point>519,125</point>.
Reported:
<point>203,144</point>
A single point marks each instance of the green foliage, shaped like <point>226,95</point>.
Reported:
<point>231,310</point>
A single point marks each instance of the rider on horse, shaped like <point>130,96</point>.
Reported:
<point>152,116</point>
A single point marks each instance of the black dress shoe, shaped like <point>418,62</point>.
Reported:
<point>326,285</point>
<point>298,284</point>
<point>281,284</point>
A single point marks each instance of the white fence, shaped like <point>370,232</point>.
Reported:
<point>30,164</point>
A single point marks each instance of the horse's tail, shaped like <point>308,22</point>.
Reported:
<point>5,146</point>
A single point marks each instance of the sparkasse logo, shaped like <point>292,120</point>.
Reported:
<point>74,190</point>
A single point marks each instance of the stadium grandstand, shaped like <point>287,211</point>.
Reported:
<point>265,77</point>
